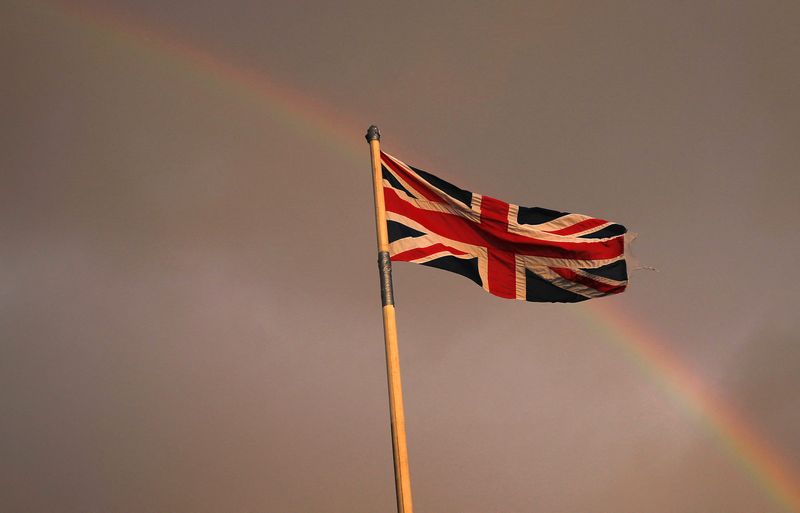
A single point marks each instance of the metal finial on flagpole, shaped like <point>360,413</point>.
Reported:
<point>402,480</point>
<point>373,133</point>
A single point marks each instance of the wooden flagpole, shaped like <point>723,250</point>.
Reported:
<point>402,480</point>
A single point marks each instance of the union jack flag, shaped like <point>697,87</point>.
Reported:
<point>514,252</point>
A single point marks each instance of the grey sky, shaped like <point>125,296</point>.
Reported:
<point>189,307</point>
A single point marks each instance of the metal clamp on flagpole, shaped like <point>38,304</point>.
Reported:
<point>385,268</point>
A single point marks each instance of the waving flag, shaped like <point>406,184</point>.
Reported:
<point>514,252</point>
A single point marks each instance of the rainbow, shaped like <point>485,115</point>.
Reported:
<point>311,118</point>
<point>761,462</point>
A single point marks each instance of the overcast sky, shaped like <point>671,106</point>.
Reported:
<point>189,306</point>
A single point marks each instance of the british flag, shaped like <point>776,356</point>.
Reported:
<point>514,252</point>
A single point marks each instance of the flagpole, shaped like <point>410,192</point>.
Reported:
<point>402,480</point>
